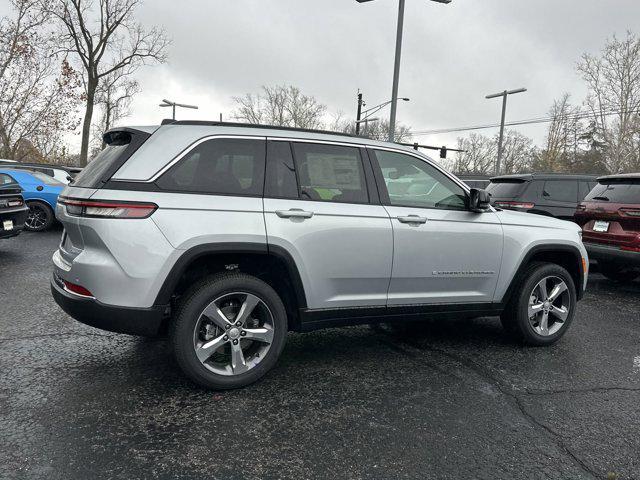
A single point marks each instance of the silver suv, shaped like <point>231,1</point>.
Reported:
<point>227,236</point>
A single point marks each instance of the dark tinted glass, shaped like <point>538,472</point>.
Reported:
<point>616,192</point>
<point>561,190</point>
<point>506,189</point>
<point>330,173</point>
<point>281,171</point>
<point>220,166</point>
<point>91,175</point>
<point>412,182</point>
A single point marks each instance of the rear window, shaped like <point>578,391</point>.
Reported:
<point>616,191</point>
<point>505,188</point>
<point>93,174</point>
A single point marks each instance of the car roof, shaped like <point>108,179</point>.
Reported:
<point>545,176</point>
<point>171,139</point>
<point>620,176</point>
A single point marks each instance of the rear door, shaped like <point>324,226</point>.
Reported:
<point>443,253</point>
<point>322,207</point>
<point>559,198</point>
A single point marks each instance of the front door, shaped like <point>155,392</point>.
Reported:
<point>320,208</point>
<point>443,253</point>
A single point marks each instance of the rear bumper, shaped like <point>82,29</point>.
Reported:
<point>18,217</point>
<point>133,321</point>
<point>612,254</point>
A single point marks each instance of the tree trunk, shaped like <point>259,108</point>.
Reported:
<point>86,125</point>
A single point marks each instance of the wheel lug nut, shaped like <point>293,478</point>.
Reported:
<point>225,338</point>
<point>227,327</point>
<point>235,342</point>
<point>243,333</point>
<point>238,323</point>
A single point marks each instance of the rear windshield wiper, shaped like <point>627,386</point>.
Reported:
<point>604,199</point>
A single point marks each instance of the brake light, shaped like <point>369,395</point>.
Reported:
<point>631,249</point>
<point>631,212</point>
<point>525,205</point>
<point>77,289</point>
<point>15,202</point>
<point>107,208</point>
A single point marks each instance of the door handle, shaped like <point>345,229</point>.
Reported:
<point>294,213</point>
<point>412,219</point>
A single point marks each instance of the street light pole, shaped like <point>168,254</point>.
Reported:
<point>173,105</point>
<point>504,96</point>
<point>359,114</point>
<point>396,72</point>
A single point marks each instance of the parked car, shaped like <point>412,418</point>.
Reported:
<point>60,173</point>
<point>13,210</point>
<point>227,236</point>
<point>40,192</point>
<point>551,194</point>
<point>475,181</point>
<point>610,220</point>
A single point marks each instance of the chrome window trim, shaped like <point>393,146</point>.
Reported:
<point>188,150</point>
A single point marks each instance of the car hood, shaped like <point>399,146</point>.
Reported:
<point>512,217</point>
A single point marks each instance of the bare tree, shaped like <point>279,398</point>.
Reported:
<point>519,152</point>
<point>613,79</point>
<point>478,156</point>
<point>113,97</point>
<point>282,105</point>
<point>563,143</point>
<point>106,41</point>
<point>37,91</point>
<point>373,130</point>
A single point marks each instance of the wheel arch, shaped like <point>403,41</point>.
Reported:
<point>567,256</point>
<point>270,263</point>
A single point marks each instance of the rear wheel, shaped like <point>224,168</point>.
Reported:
<point>39,218</point>
<point>543,305</point>
<point>229,331</point>
<point>618,273</point>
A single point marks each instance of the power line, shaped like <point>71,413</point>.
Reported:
<point>530,121</point>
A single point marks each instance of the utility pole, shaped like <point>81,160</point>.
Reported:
<point>396,73</point>
<point>504,96</point>
<point>359,114</point>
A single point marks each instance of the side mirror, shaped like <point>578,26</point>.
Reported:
<point>479,200</point>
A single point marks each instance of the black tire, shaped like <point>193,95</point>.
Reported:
<point>618,273</point>
<point>40,217</point>
<point>193,303</point>
<point>515,318</point>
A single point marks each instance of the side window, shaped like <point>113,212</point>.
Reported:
<point>281,171</point>
<point>561,190</point>
<point>222,166</point>
<point>6,179</point>
<point>412,182</point>
<point>330,173</point>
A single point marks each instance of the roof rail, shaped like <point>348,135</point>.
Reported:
<point>252,125</point>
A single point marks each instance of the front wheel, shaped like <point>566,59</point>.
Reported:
<point>229,331</point>
<point>543,305</point>
<point>39,218</point>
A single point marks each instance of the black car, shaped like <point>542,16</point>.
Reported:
<point>13,210</point>
<point>555,195</point>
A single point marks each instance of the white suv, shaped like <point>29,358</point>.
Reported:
<point>227,236</point>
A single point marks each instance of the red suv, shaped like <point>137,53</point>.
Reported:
<point>610,220</point>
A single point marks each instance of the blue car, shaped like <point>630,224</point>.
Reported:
<point>40,193</point>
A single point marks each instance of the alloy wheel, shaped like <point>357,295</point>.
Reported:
<point>233,333</point>
<point>36,218</point>
<point>549,306</point>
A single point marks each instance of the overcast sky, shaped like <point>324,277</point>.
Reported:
<point>453,55</point>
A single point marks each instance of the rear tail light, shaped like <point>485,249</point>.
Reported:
<point>524,205</point>
<point>107,208</point>
<point>15,202</point>
<point>631,212</point>
<point>77,289</point>
<point>631,249</point>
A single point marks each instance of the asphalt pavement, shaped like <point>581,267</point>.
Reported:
<point>443,400</point>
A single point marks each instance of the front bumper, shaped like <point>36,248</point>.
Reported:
<point>18,217</point>
<point>614,254</point>
<point>87,310</point>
